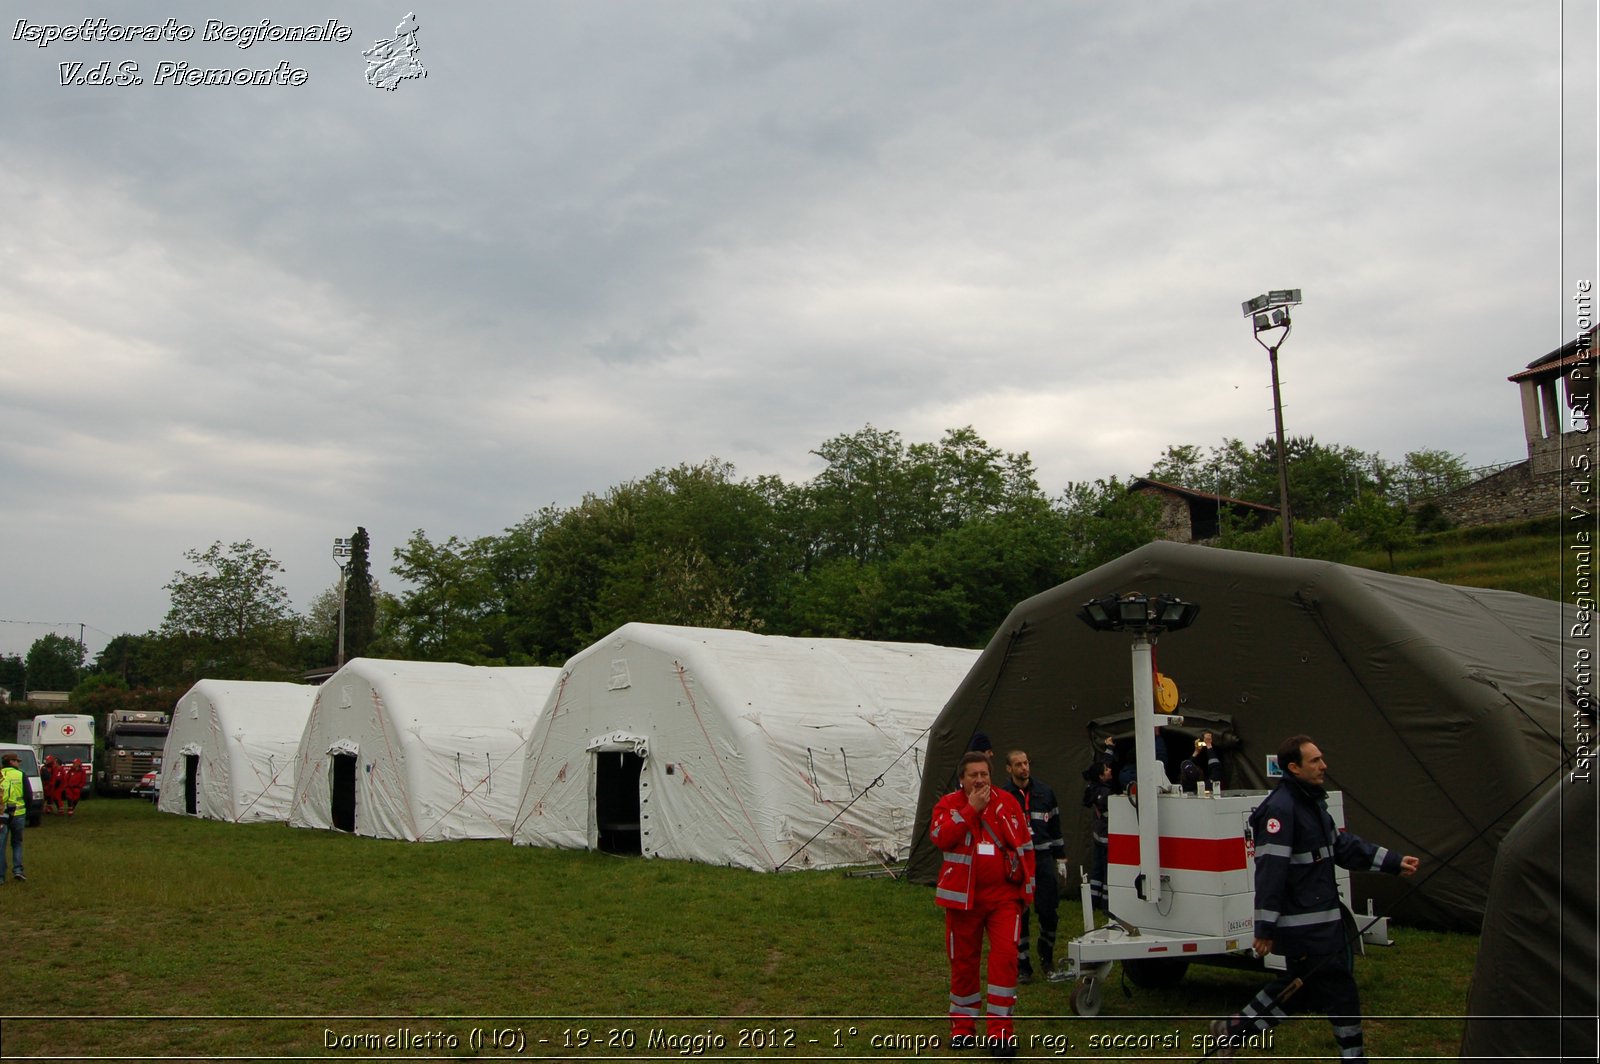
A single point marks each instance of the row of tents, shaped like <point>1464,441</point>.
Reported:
<point>724,747</point>
<point>1448,715</point>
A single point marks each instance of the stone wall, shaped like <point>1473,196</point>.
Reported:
<point>1513,494</point>
<point>1174,523</point>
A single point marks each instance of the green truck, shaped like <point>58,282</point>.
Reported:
<point>133,743</point>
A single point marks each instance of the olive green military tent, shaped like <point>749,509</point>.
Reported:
<point>1533,990</point>
<point>1441,709</point>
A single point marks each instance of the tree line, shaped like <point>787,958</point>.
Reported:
<point>926,542</point>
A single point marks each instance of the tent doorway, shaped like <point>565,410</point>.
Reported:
<point>344,792</point>
<point>191,784</point>
<point>616,801</point>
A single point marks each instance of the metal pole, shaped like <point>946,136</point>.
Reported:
<point>1144,747</point>
<point>340,662</point>
<point>1286,519</point>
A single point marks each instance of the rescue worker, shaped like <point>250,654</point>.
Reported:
<point>1207,757</point>
<point>1097,799</point>
<point>1297,913</point>
<point>13,814</point>
<point>1039,805</point>
<point>53,779</point>
<point>72,789</point>
<point>982,831</point>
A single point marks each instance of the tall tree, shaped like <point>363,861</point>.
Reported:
<point>451,611</point>
<point>230,618</point>
<point>1103,520</point>
<point>54,663</point>
<point>13,675</point>
<point>360,607</point>
<point>124,657</point>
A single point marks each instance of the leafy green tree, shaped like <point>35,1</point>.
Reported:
<point>1428,474</point>
<point>687,545</point>
<point>864,500</point>
<point>1323,479</point>
<point>1185,466</point>
<point>54,663</point>
<point>105,693</point>
<point>1323,539</point>
<point>234,594</point>
<point>124,657</point>
<point>956,590</point>
<point>229,619</point>
<point>1103,520</point>
<point>451,610</point>
<point>13,675</point>
<point>1380,525</point>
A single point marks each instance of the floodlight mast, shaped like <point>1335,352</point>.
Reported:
<point>341,558</point>
<point>1277,302</point>
<point>1146,618</point>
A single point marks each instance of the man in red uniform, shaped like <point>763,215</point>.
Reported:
<point>54,778</point>
<point>979,828</point>
<point>77,778</point>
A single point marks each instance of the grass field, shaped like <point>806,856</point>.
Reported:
<point>142,934</point>
<point>1523,556</point>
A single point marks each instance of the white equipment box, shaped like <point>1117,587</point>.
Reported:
<point>1207,864</point>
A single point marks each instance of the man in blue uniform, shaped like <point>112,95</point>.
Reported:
<point>1039,805</point>
<point>1297,912</point>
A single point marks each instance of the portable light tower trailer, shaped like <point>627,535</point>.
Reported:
<point>1180,869</point>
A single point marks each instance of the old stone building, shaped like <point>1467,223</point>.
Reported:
<point>1534,487</point>
<point>1190,516</point>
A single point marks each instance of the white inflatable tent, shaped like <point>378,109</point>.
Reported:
<point>230,753</point>
<point>417,750</point>
<point>734,748</point>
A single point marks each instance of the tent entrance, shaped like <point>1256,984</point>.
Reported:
<point>191,784</point>
<point>344,792</point>
<point>616,801</point>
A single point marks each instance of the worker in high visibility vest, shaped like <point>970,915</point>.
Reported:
<point>13,814</point>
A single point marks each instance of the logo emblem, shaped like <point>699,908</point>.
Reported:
<point>391,61</point>
<point>1273,825</point>
<point>68,729</point>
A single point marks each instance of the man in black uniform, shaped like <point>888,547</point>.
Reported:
<point>1038,803</point>
<point>1097,799</point>
<point>1297,912</point>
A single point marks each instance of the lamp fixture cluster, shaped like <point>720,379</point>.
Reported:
<point>1271,311</point>
<point>1135,612</point>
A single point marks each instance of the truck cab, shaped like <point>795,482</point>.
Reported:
<point>133,744</point>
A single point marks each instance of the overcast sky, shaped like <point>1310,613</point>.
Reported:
<point>604,237</point>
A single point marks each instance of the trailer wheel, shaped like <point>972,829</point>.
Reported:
<point>1086,996</point>
<point>1155,973</point>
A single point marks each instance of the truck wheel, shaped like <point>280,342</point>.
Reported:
<point>1155,973</point>
<point>35,818</point>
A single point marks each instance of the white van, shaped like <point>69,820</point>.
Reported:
<point>29,764</point>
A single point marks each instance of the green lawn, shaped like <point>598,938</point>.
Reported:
<point>146,934</point>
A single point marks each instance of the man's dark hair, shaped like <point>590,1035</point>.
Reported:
<point>1289,751</point>
<point>971,757</point>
